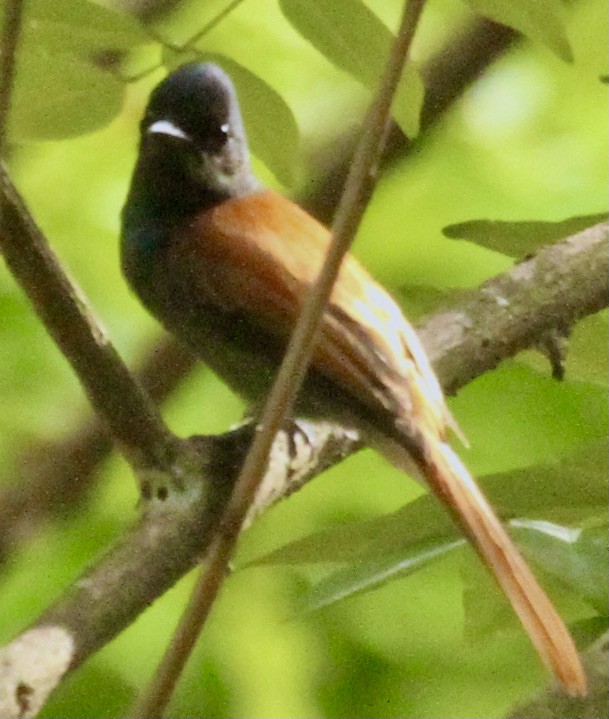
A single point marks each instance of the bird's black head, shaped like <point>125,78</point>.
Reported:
<point>192,140</point>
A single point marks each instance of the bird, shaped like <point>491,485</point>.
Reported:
<point>225,263</point>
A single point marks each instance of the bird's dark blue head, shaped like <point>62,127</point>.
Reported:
<point>193,150</point>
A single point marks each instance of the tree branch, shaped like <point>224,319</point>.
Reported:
<point>512,311</point>
<point>559,285</point>
<point>127,411</point>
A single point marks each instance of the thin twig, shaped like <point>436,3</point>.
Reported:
<point>184,47</point>
<point>126,410</point>
<point>11,31</point>
<point>293,368</point>
<point>557,287</point>
<point>214,22</point>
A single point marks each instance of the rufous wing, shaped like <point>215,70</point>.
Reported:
<point>265,255</point>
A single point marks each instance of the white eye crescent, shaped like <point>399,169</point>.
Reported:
<point>165,127</point>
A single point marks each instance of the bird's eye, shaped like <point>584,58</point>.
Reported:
<point>218,136</point>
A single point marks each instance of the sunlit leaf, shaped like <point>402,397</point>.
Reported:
<point>518,239</point>
<point>81,26</point>
<point>271,129</point>
<point>539,20</point>
<point>61,87</point>
<point>189,20</point>
<point>79,96</point>
<point>352,37</point>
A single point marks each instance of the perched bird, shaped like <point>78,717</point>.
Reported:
<point>225,264</point>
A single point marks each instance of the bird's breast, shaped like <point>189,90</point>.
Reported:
<point>176,284</point>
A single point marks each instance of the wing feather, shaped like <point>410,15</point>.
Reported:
<point>265,256</point>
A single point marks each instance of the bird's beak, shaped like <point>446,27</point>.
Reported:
<point>165,127</point>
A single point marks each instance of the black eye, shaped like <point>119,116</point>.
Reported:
<point>217,137</point>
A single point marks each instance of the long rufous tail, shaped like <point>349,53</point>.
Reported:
<point>452,484</point>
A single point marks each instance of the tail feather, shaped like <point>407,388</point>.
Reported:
<point>453,485</point>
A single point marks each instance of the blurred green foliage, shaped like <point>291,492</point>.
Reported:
<point>527,142</point>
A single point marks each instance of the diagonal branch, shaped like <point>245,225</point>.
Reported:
<point>127,411</point>
<point>558,286</point>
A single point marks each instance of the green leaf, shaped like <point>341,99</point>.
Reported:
<point>363,577</point>
<point>587,359</point>
<point>571,556</point>
<point>487,610</point>
<point>78,97</point>
<point>271,129</point>
<point>570,489</point>
<point>574,488</point>
<point>420,522</point>
<point>519,238</point>
<point>188,20</point>
<point>353,38</point>
<point>61,88</point>
<point>577,556</point>
<point>553,703</point>
<point>539,20</point>
<point>81,27</point>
